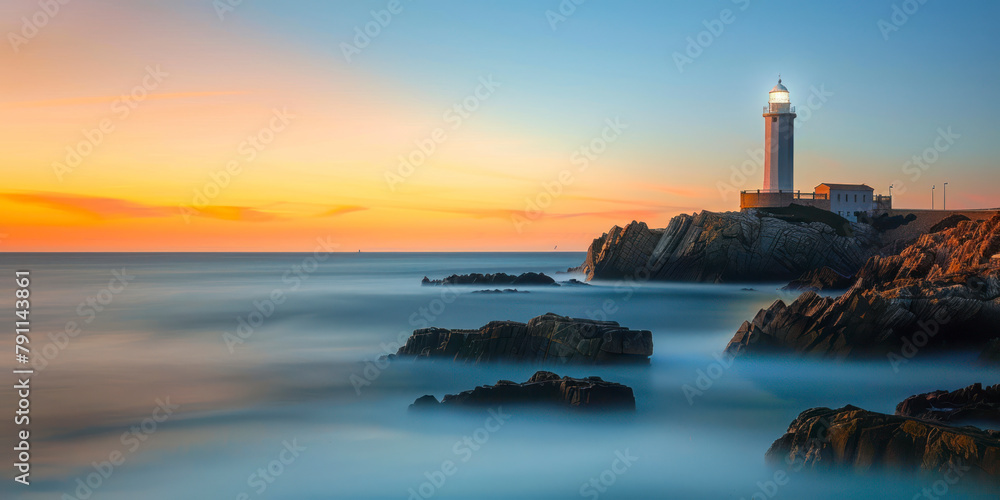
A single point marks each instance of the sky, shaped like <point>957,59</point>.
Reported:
<point>514,125</point>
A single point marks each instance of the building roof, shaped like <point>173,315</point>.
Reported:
<point>846,187</point>
<point>779,87</point>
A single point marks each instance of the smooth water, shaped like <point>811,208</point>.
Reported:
<point>287,398</point>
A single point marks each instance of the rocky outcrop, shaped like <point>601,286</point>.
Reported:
<point>973,404</point>
<point>939,293</point>
<point>822,279</point>
<point>728,247</point>
<point>853,438</point>
<point>543,388</point>
<point>549,338</point>
<point>492,279</point>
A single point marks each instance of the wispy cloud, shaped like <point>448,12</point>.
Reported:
<point>104,208</point>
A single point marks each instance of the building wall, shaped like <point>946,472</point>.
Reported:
<point>846,202</point>
<point>779,141</point>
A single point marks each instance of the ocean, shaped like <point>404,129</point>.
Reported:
<point>256,375</point>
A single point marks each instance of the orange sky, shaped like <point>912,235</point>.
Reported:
<point>85,169</point>
<point>139,127</point>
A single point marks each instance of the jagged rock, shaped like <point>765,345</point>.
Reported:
<point>544,388</point>
<point>948,223</point>
<point>939,293</point>
<point>544,339</point>
<point>973,404</point>
<point>728,247</point>
<point>492,279</point>
<point>820,279</point>
<point>850,437</point>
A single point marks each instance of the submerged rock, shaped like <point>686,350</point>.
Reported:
<point>730,247</point>
<point>940,293</point>
<point>973,404</point>
<point>861,440</point>
<point>544,339</point>
<point>543,388</point>
<point>492,279</point>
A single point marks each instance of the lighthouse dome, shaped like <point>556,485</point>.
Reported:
<point>779,87</point>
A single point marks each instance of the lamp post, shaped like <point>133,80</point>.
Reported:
<point>932,195</point>
<point>945,201</point>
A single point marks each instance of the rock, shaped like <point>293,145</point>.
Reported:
<point>574,282</point>
<point>505,290</point>
<point>492,279</point>
<point>543,388</point>
<point>728,247</point>
<point>948,223</point>
<point>973,404</point>
<point>422,402</point>
<point>853,438</point>
<point>939,293</point>
<point>820,279</point>
<point>544,339</point>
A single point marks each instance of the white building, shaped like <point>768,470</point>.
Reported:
<point>847,200</point>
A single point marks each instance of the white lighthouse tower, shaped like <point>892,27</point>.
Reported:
<point>779,140</point>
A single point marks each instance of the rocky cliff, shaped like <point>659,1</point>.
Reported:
<point>731,247</point>
<point>545,339</point>
<point>543,388</point>
<point>942,292</point>
<point>853,438</point>
<point>972,404</point>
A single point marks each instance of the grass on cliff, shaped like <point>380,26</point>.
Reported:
<point>800,213</point>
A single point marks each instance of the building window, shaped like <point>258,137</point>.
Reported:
<point>774,119</point>
<point>864,198</point>
<point>838,196</point>
<point>855,198</point>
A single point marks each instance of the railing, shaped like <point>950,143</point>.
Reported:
<point>779,108</point>
<point>797,195</point>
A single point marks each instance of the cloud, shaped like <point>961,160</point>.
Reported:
<point>103,208</point>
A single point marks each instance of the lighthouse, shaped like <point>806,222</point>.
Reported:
<point>779,140</point>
